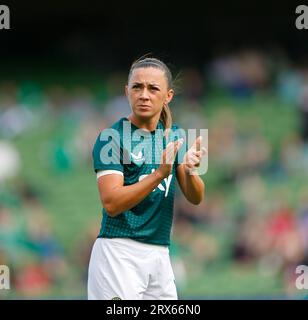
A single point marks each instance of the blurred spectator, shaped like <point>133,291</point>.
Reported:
<point>303,107</point>
<point>294,155</point>
<point>117,106</point>
<point>241,73</point>
<point>189,92</point>
<point>10,162</point>
<point>15,118</point>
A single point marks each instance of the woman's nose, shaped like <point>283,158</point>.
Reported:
<point>144,94</point>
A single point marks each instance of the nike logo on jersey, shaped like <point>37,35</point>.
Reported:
<point>160,186</point>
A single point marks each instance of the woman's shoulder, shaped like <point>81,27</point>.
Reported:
<point>118,126</point>
<point>176,126</point>
<point>114,130</point>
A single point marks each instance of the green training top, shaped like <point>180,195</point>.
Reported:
<point>150,221</point>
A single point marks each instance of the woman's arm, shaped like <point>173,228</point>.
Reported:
<point>117,198</point>
<point>190,183</point>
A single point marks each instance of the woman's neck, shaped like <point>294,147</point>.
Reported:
<point>146,124</point>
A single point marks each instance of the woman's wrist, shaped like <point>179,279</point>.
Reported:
<point>158,174</point>
<point>190,170</point>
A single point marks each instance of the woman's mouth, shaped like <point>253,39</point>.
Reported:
<point>144,106</point>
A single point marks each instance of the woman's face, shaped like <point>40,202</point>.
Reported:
<point>147,92</point>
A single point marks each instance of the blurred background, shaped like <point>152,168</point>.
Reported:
<point>241,71</point>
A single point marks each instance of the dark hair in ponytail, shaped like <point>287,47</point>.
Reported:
<point>165,116</point>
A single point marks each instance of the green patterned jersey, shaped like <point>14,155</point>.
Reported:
<point>136,153</point>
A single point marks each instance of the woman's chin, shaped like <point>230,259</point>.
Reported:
<point>145,114</point>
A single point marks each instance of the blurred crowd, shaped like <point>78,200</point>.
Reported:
<point>256,209</point>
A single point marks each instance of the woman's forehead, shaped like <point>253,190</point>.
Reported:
<point>148,75</point>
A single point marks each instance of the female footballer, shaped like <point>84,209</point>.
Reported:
<point>130,258</point>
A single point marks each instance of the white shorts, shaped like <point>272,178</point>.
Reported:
<point>130,270</point>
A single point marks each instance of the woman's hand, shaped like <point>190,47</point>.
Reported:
<point>193,156</point>
<point>168,157</point>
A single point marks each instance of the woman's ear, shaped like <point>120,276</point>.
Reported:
<point>170,95</point>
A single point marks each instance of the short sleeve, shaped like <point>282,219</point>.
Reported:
<point>107,151</point>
